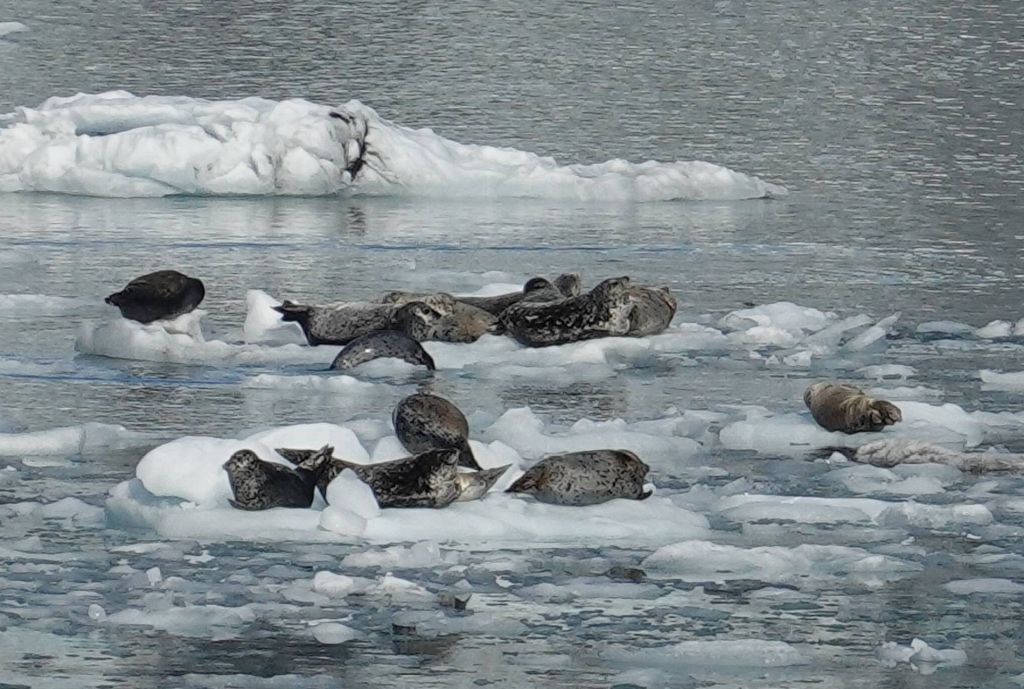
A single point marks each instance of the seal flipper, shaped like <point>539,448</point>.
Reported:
<point>474,485</point>
<point>646,494</point>
<point>466,458</point>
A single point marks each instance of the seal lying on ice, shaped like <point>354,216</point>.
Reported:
<point>382,344</point>
<point>341,322</point>
<point>846,408</point>
<point>652,310</point>
<point>427,479</point>
<point>601,312</point>
<point>260,485</point>
<point>585,478</point>
<point>426,422</point>
<point>162,295</point>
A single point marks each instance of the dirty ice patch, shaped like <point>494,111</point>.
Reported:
<point>117,144</point>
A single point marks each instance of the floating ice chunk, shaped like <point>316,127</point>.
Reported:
<point>887,372</point>
<point>330,384</point>
<point>417,556</point>
<point>333,633</point>
<point>783,316</point>
<point>154,576</point>
<point>921,657</point>
<point>36,305</point>
<point>806,510</point>
<point>984,586</point>
<point>703,560</point>
<point>995,329</point>
<point>263,325</point>
<point>912,514</point>
<point>181,341</point>
<point>116,144</point>
<point>11,27</point>
<point>1002,381</point>
<point>872,334</point>
<point>72,509</point>
<point>917,393</point>
<point>72,440</point>
<point>871,479</point>
<point>207,621</point>
<point>97,613</point>
<point>735,653</point>
<point>779,434</point>
<point>315,435</point>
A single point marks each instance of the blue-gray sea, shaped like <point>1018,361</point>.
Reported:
<point>897,129</point>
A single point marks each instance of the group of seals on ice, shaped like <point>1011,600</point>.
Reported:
<point>542,313</point>
<point>437,434</point>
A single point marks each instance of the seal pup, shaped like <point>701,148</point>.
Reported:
<point>260,485</point>
<point>424,422</point>
<point>601,312</point>
<point>379,345</point>
<point>473,485</point>
<point>846,408</point>
<point>653,310</point>
<point>585,478</point>
<point>157,296</point>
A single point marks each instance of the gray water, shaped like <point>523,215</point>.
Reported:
<point>897,130</point>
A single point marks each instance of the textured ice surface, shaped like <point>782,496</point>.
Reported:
<point>117,144</point>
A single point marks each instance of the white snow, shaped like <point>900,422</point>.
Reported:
<point>117,144</point>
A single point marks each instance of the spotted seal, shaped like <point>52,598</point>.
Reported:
<point>569,284</point>
<point>601,312</point>
<point>260,485</point>
<point>472,485</point>
<point>341,322</point>
<point>162,295</point>
<point>585,478</point>
<point>848,409</point>
<point>537,289</point>
<point>653,308</point>
<point>379,345</point>
<point>425,422</point>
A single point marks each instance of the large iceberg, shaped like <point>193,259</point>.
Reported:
<point>118,144</point>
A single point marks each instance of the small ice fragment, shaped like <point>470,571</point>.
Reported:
<point>333,633</point>
<point>154,576</point>
<point>97,613</point>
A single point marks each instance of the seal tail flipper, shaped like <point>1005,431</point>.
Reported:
<point>290,311</point>
<point>466,457</point>
<point>646,494</point>
<point>318,460</point>
<point>527,483</point>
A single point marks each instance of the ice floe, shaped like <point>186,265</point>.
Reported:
<point>118,144</point>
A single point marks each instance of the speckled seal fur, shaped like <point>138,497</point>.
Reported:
<point>585,478</point>
<point>601,312</point>
<point>260,485</point>
<point>426,422</point>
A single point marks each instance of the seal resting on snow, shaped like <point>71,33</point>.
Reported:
<point>382,344</point>
<point>385,478</point>
<point>260,485</point>
<point>601,312</point>
<point>653,310</point>
<point>157,296</point>
<point>846,408</point>
<point>585,478</point>
<point>426,422</point>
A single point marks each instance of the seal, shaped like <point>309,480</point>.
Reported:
<point>585,478</point>
<point>425,422</point>
<point>569,284</point>
<point>472,485</point>
<point>380,345</point>
<point>260,485</point>
<point>157,296</point>
<point>338,323</point>
<point>427,479</point>
<point>341,322</point>
<point>653,310</point>
<point>846,408</point>
<point>601,312</point>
